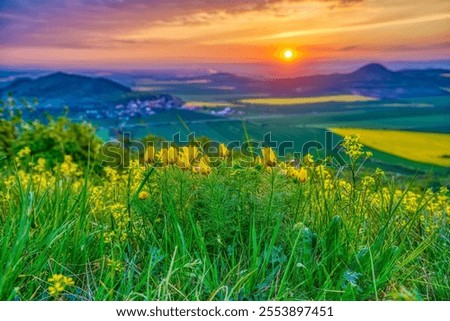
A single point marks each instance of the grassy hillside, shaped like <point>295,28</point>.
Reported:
<point>185,226</point>
<point>59,89</point>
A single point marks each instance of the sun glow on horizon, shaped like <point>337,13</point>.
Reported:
<point>288,54</point>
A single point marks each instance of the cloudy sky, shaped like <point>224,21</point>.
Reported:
<point>169,33</point>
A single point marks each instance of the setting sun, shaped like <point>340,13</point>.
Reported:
<point>288,54</point>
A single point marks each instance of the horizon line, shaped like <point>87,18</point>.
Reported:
<point>206,67</point>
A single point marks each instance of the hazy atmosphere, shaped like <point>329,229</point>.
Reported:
<point>139,34</point>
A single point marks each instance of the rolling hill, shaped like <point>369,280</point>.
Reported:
<point>62,88</point>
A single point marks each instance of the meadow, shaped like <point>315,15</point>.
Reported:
<point>181,225</point>
<point>185,223</point>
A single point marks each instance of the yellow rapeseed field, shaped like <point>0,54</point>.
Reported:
<point>306,100</point>
<point>421,147</point>
<point>209,104</point>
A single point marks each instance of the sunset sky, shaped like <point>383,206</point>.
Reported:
<point>121,34</point>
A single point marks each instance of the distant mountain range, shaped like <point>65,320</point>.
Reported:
<point>371,80</point>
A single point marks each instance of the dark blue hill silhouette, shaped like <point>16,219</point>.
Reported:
<point>373,80</point>
<point>67,88</point>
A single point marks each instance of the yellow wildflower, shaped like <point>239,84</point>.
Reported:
<point>270,159</point>
<point>114,265</point>
<point>184,160</point>
<point>109,236</point>
<point>9,182</point>
<point>143,195</point>
<point>300,175</point>
<point>223,151</point>
<point>112,175</point>
<point>24,152</point>
<point>410,202</point>
<point>328,184</point>
<point>68,167</point>
<point>379,173</point>
<point>257,161</point>
<point>168,156</point>
<point>162,156</point>
<point>322,172</point>
<point>41,165</point>
<point>367,181</point>
<point>193,152</point>
<point>203,167</point>
<point>149,156</point>
<point>344,185</point>
<point>353,147</point>
<point>24,177</point>
<point>308,160</point>
<point>172,155</point>
<point>135,166</point>
<point>59,283</point>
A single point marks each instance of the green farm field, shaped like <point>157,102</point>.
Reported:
<point>305,122</point>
